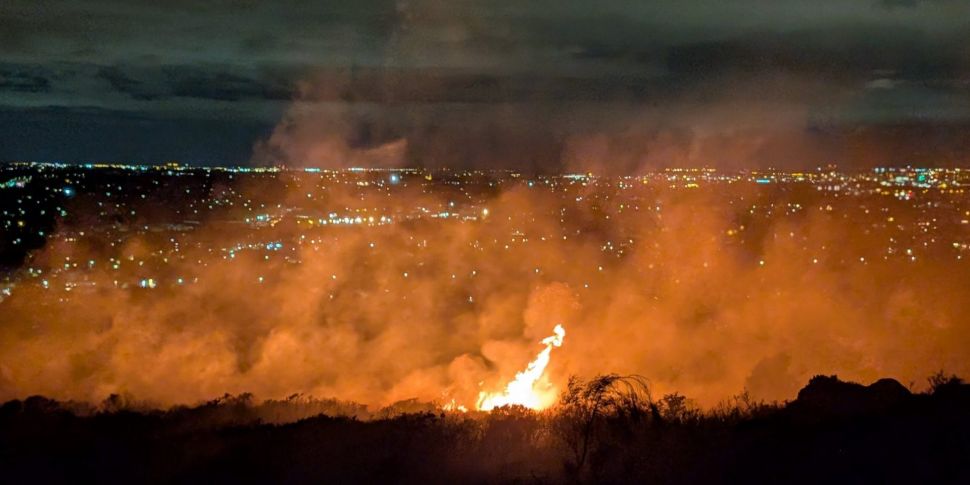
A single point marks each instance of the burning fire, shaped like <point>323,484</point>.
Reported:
<point>522,391</point>
<point>453,406</point>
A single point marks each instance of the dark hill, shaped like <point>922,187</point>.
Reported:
<point>834,432</point>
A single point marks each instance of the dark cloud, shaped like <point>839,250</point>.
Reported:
<point>226,86</point>
<point>840,54</point>
<point>153,83</point>
<point>24,79</point>
<point>891,4</point>
<point>122,82</point>
<point>472,82</point>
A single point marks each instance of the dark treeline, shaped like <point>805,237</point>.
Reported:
<point>608,429</point>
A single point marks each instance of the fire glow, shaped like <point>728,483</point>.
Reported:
<point>523,390</point>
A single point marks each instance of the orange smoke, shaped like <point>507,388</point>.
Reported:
<point>668,286</point>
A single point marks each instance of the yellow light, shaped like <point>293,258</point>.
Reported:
<point>522,390</point>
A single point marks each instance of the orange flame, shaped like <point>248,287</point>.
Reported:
<point>523,390</point>
<point>453,406</point>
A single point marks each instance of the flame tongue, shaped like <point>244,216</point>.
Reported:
<point>522,391</point>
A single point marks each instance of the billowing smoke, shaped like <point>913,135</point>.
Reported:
<point>476,84</point>
<point>705,292</point>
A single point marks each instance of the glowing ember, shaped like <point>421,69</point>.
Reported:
<point>522,391</point>
<point>453,406</point>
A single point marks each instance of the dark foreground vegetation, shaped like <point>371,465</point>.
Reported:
<point>609,429</point>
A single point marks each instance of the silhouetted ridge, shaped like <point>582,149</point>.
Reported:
<point>828,394</point>
<point>609,429</point>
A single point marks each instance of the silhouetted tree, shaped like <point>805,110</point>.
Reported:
<point>586,404</point>
<point>941,381</point>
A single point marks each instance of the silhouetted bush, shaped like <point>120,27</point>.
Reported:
<point>608,429</point>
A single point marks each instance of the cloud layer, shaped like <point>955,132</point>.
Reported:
<point>460,82</point>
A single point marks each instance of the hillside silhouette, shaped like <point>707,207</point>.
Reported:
<point>609,429</point>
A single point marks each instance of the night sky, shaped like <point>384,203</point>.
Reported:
<point>610,85</point>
